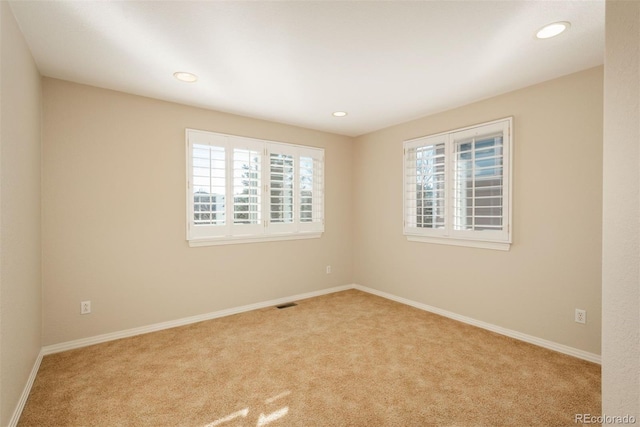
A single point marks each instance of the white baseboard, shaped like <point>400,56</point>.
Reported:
<point>580,354</point>
<point>70,345</point>
<point>13,422</point>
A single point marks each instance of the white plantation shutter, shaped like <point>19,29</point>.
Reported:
<point>247,186</point>
<point>281,181</point>
<point>296,189</point>
<point>208,182</point>
<point>282,187</point>
<point>244,189</point>
<point>311,190</point>
<point>425,198</point>
<point>206,196</point>
<point>479,184</point>
<point>457,186</point>
<point>308,179</point>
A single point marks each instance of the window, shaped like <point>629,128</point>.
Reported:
<point>457,186</point>
<point>243,190</point>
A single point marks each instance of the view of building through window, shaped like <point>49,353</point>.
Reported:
<point>457,184</point>
<point>247,187</point>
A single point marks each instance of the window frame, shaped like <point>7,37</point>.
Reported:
<point>231,232</point>
<point>499,240</point>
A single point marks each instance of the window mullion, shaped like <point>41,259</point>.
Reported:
<point>449,184</point>
<point>266,188</point>
<point>296,190</point>
<point>473,184</point>
<point>321,188</point>
<point>210,204</point>
<point>229,199</point>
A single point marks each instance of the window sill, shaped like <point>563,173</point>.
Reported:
<point>229,240</point>
<point>499,246</point>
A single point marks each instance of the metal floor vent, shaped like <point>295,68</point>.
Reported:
<point>287,305</point>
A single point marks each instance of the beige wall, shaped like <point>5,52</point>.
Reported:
<point>621,229</point>
<point>553,266</point>
<point>113,200</point>
<point>20,279</point>
<point>114,217</point>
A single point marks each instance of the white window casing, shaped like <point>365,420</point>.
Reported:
<point>458,186</point>
<point>242,190</point>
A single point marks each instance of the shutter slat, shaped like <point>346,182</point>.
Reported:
<point>281,180</point>
<point>478,164</point>
<point>424,180</point>
<point>208,180</point>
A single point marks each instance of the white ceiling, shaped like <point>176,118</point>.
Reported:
<point>296,62</point>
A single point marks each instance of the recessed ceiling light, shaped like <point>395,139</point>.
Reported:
<point>339,113</point>
<point>185,77</point>
<point>552,30</point>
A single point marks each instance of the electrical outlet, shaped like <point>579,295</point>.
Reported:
<point>581,316</point>
<point>85,307</point>
<point>328,269</point>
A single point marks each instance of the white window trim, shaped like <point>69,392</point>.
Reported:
<point>448,236</point>
<point>299,230</point>
<point>233,240</point>
<point>470,243</point>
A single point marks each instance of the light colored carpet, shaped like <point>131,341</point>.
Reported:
<point>344,359</point>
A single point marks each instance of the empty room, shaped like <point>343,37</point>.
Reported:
<point>314,213</point>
